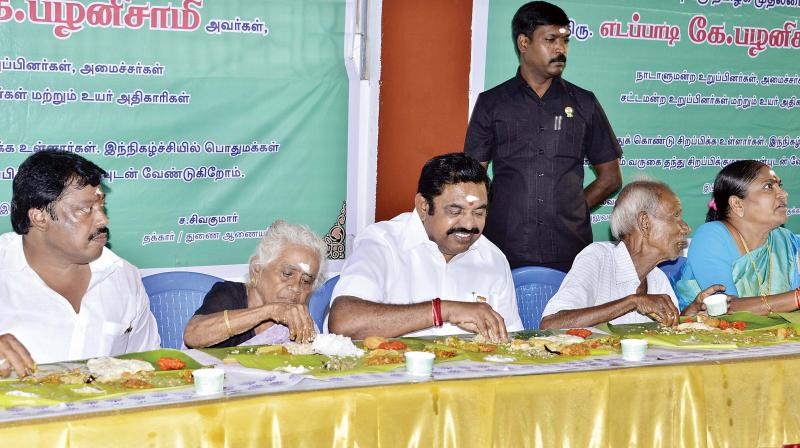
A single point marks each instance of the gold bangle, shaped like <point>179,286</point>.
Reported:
<point>227,323</point>
<point>766,304</point>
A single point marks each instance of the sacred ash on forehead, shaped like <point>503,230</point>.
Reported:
<point>471,198</point>
<point>563,30</point>
<point>305,267</point>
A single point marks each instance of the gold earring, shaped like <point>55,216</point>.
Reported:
<point>253,281</point>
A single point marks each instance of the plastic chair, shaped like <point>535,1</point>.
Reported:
<point>534,285</point>
<point>174,297</point>
<point>673,269</point>
<point>320,302</point>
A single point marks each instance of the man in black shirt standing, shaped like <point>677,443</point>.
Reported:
<point>537,129</point>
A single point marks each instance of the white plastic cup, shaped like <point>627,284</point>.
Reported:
<point>419,363</point>
<point>208,381</point>
<point>716,305</point>
<point>633,349</point>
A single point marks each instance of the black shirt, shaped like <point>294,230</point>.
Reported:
<point>227,296</point>
<point>537,209</point>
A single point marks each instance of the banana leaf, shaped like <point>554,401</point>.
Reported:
<point>30,393</point>
<point>793,318</point>
<point>522,358</point>
<point>319,365</point>
<point>154,355</point>
<point>756,334</point>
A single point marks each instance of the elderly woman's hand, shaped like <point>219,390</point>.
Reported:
<point>698,306</point>
<point>295,316</point>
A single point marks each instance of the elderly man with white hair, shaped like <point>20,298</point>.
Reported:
<point>272,307</point>
<point>619,282</point>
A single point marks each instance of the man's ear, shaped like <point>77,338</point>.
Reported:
<point>522,43</point>
<point>421,205</point>
<point>39,218</point>
<point>644,224</point>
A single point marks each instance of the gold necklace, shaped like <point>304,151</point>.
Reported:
<point>753,262</point>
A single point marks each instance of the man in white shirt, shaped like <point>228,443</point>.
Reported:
<point>430,271</point>
<point>64,295</point>
<point>620,282</point>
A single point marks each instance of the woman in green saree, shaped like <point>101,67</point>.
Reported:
<point>742,244</point>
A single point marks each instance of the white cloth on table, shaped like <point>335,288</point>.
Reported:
<point>394,262</point>
<point>114,317</point>
<point>604,272</point>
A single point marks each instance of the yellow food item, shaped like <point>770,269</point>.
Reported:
<point>372,342</point>
<point>580,349</point>
<point>470,346</point>
<point>783,333</point>
<point>74,376</point>
<point>708,320</point>
<point>440,353</point>
<point>380,357</point>
<point>272,350</point>
<point>136,383</point>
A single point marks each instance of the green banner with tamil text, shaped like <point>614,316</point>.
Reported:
<point>213,118</point>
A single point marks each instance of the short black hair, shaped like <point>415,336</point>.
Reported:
<point>733,180</point>
<point>533,14</point>
<point>41,180</point>
<point>449,169</point>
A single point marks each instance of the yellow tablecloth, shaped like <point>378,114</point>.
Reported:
<point>753,403</point>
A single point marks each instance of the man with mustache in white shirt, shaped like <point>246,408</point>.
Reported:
<point>64,295</point>
<point>430,271</point>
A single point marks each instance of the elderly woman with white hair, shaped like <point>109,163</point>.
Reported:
<point>619,282</point>
<point>272,307</point>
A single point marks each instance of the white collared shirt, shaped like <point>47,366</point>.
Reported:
<point>114,317</point>
<point>395,262</point>
<point>604,272</point>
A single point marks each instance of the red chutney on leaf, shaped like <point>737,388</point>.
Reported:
<point>392,345</point>
<point>167,363</point>
<point>580,332</point>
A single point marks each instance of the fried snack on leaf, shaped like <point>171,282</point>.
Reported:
<point>373,342</point>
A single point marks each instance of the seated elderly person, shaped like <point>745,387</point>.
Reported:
<point>742,244</point>
<point>620,282</point>
<point>429,271</point>
<point>272,307</point>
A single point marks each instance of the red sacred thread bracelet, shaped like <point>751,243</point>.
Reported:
<point>437,312</point>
